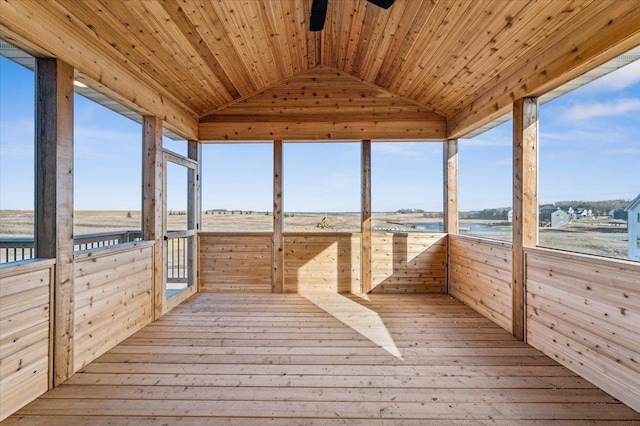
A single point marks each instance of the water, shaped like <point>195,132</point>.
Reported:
<point>430,226</point>
<point>473,228</point>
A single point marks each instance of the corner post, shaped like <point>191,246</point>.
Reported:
<point>277,256</point>
<point>525,202</point>
<point>450,193</point>
<point>152,204</point>
<point>365,251</point>
<point>450,186</point>
<point>54,201</point>
<point>194,210</point>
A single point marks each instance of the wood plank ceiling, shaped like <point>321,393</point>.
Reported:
<point>440,55</point>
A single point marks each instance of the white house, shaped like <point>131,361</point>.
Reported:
<point>633,225</point>
<point>559,218</point>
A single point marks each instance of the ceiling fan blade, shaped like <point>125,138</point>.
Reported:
<point>385,4</point>
<point>318,15</point>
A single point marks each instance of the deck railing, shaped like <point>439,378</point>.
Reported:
<point>178,257</point>
<point>177,246</point>
<point>104,239</point>
<point>14,249</point>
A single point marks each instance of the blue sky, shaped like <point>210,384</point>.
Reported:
<point>589,150</point>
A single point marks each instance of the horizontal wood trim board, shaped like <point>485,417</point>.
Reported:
<point>319,130</point>
<point>327,114</point>
<point>584,312</point>
<point>98,252</point>
<point>24,267</point>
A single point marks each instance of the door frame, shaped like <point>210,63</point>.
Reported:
<point>192,167</point>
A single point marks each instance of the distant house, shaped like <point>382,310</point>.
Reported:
<point>544,215</point>
<point>633,226</point>
<point>559,218</point>
<point>618,214</point>
<point>553,217</point>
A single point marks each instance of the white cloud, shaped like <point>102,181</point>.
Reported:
<point>591,110</point>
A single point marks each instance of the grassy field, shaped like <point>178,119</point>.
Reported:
<point>596,236</point>
<point>15,223</point>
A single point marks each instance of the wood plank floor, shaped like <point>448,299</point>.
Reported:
<point>239,359</point>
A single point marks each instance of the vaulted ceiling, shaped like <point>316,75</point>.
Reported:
<point>464,60</point>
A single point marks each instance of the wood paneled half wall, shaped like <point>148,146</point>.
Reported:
<point>584,312</point>
<point>239,262</point>
<point>25,314</point>
<point>113,297</point>
<point>480,276</point>
<point>409,263</point>
<point>323,262</point>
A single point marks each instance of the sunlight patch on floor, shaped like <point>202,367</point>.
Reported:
<point>359,318</point>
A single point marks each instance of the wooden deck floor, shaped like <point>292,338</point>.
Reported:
<point>327,359</point>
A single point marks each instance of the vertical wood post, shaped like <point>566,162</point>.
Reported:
<point>525,201</point>
<point>152,204</point>
<point>365,252</point>
<point>451,186</point>
<point>450,193</point>
<point>194,210</point>
<point>54,200</point>
<point>277,257</point>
